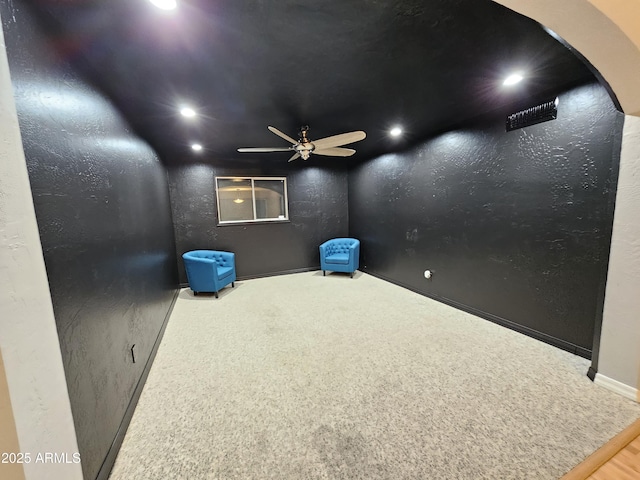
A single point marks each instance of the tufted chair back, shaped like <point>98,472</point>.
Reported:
<point>340,245</point>
<point>222,259</point>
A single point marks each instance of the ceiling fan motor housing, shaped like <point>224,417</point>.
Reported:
<point>304,149</point>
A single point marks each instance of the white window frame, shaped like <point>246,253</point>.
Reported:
<point>253,200</point>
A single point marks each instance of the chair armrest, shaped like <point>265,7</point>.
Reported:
<point>200,270</point>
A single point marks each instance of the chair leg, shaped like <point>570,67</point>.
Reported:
<point>324,273</point>
<point>216,294</point>
<point>233,284</point>
<point>351,274</point>
<point>195,294</point>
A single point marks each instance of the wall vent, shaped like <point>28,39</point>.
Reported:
<point>538,114</point>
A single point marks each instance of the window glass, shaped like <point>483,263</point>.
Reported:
<point>235,201</point>
<point>269,199</point>
<point>251,199</point>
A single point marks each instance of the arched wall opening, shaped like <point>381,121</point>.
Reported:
<point>607,34</point>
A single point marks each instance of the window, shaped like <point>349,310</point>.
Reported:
<point>252,199</point>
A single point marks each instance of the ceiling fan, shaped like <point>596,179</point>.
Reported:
<point>329,146</point>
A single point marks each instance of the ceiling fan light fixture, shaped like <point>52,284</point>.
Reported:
<point>165,4</point>
<point>196,147</point>
<point>395,132</point>
<point>238,199</point>
<point>513,79</point>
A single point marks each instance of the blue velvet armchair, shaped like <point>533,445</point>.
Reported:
<point>340,255</point>
<point>209,270</point>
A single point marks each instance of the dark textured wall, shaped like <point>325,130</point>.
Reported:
<point>516,226</point>
<point>102,204</point>
<point>317,211</point>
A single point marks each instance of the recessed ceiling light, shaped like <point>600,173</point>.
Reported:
<point>188,112</point>
<point>395,132</point>
<point>513,79</point>
<point>196,147</point>
<point>165,4</point>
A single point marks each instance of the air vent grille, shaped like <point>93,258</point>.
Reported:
<point>538,114</point>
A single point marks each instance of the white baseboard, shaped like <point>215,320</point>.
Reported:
<point>616,386</point>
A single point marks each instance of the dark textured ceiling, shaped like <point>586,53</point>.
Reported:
<point>334,65</point>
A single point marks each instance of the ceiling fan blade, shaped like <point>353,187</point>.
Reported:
<point>295,155</point>
<point>338,140</point>
<point>264,149</point>
<point>282,135</point>
<point>335,152</point>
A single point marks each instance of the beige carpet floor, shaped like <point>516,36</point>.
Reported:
<point>310,377</point>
